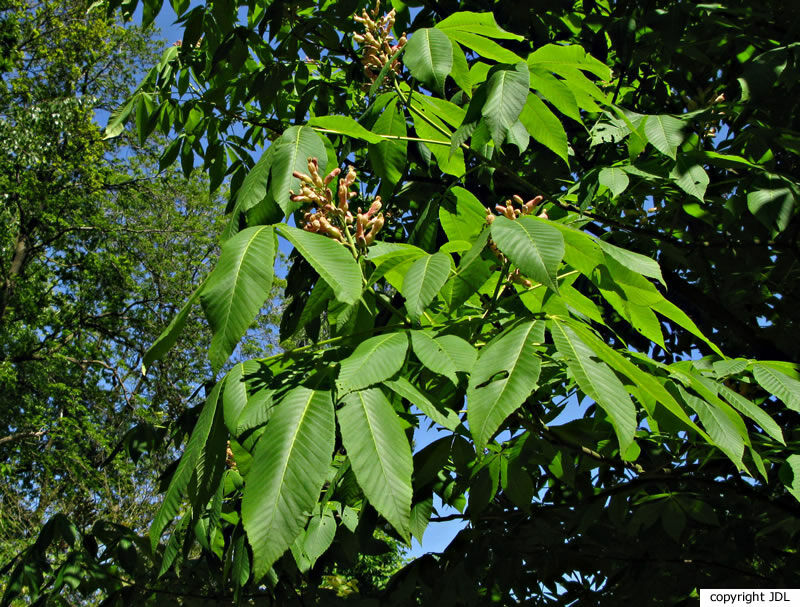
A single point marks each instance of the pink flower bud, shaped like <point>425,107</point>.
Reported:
<point>330,176</point>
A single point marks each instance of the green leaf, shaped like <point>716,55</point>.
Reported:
<point>642,380</point>
<point>423,281</point>
<point>675,314</point>
<point>443,109</point>
<point>170,335</point>
<point>556,92</point>
<point>506,92</point>
<point>465,219</point>
<point>420,517</point>
<point>615,179</point>
<point>720,425</point>
<point>476,23</point>
<point>319,535</point>
<point>472,273</point>
<point>503,377</point>
<point>189,461</point>
<point>753,411</point>
<point>234,396</point>
<point>429,57</point>
<point>331,260</point>
<point>447,418</point>
<point>290,464</point>
<point>374,360</point>
<point>388,158</point>
<point>532,245</point>
<point>597,381</point>
<point>790,475</point>
<point>690,176</point>
<point>781,385</point>
<point>459,350</point>
<point>379,454</point>
<point>460,70</point>
<point>433,355</point>
<point>544,127</point>
<point>665,133</point>
<point>483,46</point>
<point>254,187</point>
<point>344,125</point>
<point>118,118</point>
<point>237,288</point>
<point>633,261</point>
<point>558,58</point>
<point>451,164</point>
<point>292,151</point>
<point>773,208</point>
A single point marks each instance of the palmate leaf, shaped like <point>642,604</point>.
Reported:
<point>483,46</point>
<point>345,125</point>
<point>723,425</point>
<point>431,354</point>
<point>289,467</point>
<point>556,92</point>
<point>292,151</point>
<point>424,279</point>
<point>506,93</point>
<point>447,418</point>
<point>665,133</point>
<point>429,57</point>
<point>558,58</point>
<point>374,360</point>
<point>465,218</point>
<point>644,381</point>
<point>532,245</point>
<point>615,179</point>
<point>544,126</point>
<point>237,288</point>
<point>504,375</point>
<point>690,176</point>
<point>772,207</point>
<point>781,385</point>
<point>597,381</point>
<point>379,454</point>
<point>254,187</point>
<point>331,260</point>
<point>483,24</point>
<point>187,465</point>
<point>388,158</point>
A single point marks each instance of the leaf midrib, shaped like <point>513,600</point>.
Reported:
<point>240,262</point>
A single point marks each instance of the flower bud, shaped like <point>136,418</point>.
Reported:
<point>330,176</point>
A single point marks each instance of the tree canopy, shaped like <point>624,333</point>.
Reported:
<point>87,225</point>
<point>564,239</point>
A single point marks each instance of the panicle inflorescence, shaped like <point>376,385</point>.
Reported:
<point>334,218</point>
<point>377,41</point>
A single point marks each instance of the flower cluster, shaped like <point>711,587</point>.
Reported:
<point>334,218</point>
<point>511,212</point>
<point>377,41</point>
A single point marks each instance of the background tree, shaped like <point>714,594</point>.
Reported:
<point>98,249</point>
<point>463,300</point>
